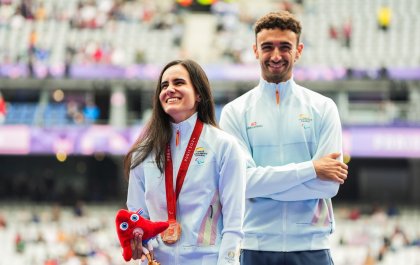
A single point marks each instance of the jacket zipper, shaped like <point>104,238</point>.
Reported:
<point>177,137</point>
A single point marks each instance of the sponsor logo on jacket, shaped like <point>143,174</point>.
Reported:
<point>305,121</point>
<point>253,125</point>
<point>200,155</point>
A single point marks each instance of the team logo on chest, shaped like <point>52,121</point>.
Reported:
<point>305,120</point>
<point>253,125</point>
<point>200,155</point>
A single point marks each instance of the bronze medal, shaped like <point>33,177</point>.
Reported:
<point>172,234</point>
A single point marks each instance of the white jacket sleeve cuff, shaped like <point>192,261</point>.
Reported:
<point>229,250</point>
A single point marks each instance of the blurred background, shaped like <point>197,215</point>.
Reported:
<point>76,85</point>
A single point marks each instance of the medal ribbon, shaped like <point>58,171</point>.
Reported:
<point>171,196</point>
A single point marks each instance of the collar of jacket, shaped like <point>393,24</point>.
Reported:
<point>284,88</point>
<point>185,128</point>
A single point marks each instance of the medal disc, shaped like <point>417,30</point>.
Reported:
<point>172,233</point>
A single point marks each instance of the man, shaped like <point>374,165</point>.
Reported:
<point>292,139</point>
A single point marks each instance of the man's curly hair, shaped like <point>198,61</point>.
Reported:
<point>283,20</point>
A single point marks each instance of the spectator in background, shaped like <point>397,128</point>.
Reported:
<point>68,60</point>
<point>332,32</point>
<point>79,209</point>
<point>32,49</point>
<point>3,109</point>
<point>3,223</point>
<point>16,20</point>
<point>19,243</point>
<point>384,17</point>
<point>74,113</point>
<point>292,140</point>
<point>91,112</point>
<point>347,33</point>
<point>25,8</point>
<point>41,12</point>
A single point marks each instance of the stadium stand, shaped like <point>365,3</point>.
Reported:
<point>58,55</point>
<point>129,32</point>
<point>50,234</point>
<point>129,40</point>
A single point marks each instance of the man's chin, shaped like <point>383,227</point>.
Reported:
<point>275,78</point>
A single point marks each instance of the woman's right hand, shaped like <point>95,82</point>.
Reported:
<point>137,245</point>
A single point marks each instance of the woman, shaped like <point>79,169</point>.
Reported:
<point>186,170</point>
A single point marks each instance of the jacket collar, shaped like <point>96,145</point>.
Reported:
<point>284,88</point>
<point>184,128</point>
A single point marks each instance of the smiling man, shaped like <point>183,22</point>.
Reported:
<point>292,140</point>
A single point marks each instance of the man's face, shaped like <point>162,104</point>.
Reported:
<point>277,51</point>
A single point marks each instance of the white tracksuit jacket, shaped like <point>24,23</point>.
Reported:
<point>211,203</point>
<point>287,208</point>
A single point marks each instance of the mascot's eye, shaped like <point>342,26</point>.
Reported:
<point>124,226</point>
<point>134,217</point>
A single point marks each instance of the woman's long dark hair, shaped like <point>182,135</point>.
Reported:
<point>158,130</point>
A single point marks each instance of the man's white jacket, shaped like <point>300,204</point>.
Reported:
<point>287,207</point>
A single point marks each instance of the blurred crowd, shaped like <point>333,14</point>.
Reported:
<point>88,13</point>
<point>85,235</point>
<point>102,32</point>
<point>81,16</point>
<point>103,15</point>
<point>375,235</point>
<point>52,235</point>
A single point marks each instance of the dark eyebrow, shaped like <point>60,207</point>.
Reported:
<point>163,84</point>
<point>266,43</point>
<point>280,43</point>
<point>179,79</point>
<point>286,44</point>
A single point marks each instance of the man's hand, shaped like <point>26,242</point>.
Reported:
<point>329,168</point>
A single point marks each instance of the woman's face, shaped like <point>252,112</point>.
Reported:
<point>177,94</point>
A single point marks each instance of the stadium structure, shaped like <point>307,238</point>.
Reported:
<point>77,79</point>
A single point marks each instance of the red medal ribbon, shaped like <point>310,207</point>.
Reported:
<point>171,196</point>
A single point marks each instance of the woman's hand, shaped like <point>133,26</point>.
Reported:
<point>137,245</point>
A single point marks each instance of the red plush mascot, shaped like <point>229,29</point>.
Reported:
<point>128,223</point>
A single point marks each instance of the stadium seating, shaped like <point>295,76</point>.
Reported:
<point>131,39</point>
<point>21,113</point>
<point>140,36</point>
<point>90,237</point>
